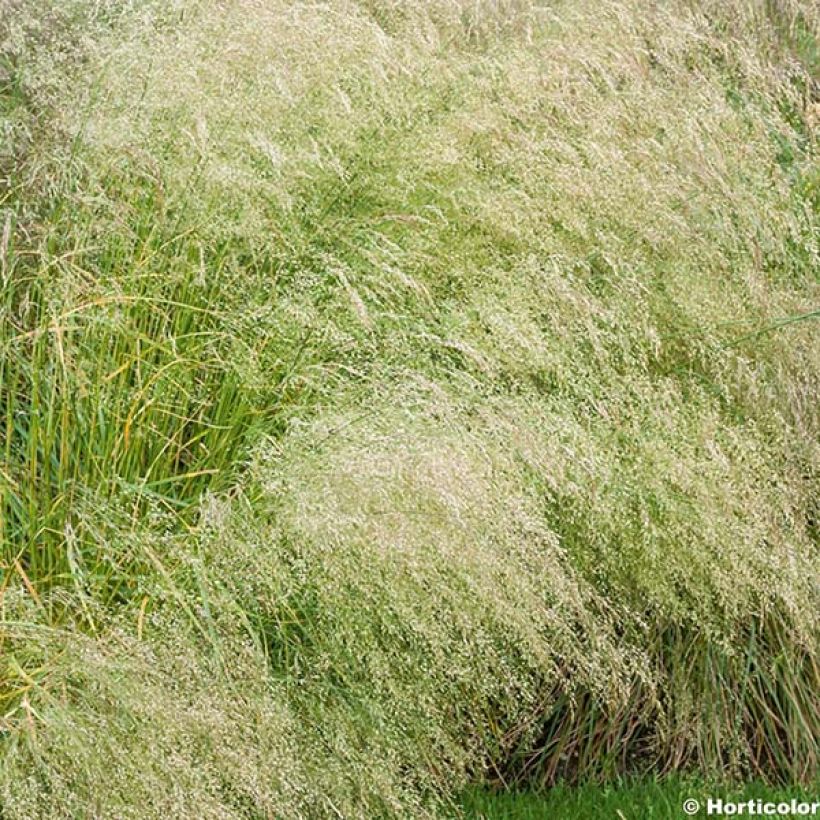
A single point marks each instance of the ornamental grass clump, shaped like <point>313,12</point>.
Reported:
<point>395,397</point>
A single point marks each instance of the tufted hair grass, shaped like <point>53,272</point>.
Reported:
<point>395,396</point>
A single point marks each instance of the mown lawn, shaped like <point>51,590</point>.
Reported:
<point>650,799</point>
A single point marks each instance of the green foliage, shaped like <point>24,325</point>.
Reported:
<point>647,800</point>
<point>396,396</point>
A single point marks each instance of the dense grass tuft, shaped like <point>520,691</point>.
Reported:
<point>396,396</point>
